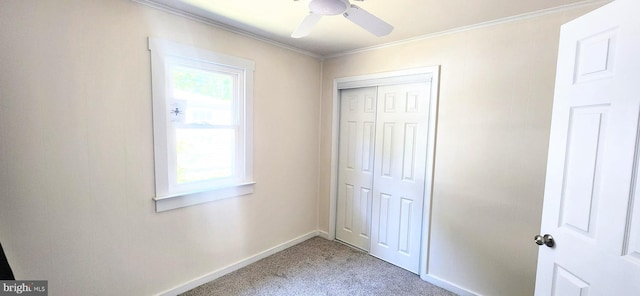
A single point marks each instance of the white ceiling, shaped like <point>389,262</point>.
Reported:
<point>275,20</point>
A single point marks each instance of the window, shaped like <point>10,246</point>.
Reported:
<point>202,120</point>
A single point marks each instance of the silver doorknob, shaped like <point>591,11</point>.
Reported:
<point>547,240</point>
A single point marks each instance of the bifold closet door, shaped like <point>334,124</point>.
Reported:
<point>381,175</point>
<point>399,176</point>
<point>355,173</point>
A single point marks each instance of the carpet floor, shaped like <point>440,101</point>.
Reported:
<point>319,267</point>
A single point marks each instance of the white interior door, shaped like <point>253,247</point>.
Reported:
<point>355,173</point>
<point>399,175</point>
<point>591,206</point>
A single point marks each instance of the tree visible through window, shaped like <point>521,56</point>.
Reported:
<point>202,120</point>
<point>205,142</point>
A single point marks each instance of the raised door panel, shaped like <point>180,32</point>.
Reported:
<point>566,283</point>
<point>587,129</point>
<point>383,226</point>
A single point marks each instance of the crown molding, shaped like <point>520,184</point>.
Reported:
<point>207,18</point>
<point>495,22</point>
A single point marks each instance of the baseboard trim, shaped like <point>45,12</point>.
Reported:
<point>266,253</point>
<point>448,286</point>
<point>237,265</point>
<point>323,234</point>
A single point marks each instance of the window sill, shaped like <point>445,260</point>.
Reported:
<point>175,201</point>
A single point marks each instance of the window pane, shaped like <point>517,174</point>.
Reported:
<point>208,95</point>
<point>204,154</point>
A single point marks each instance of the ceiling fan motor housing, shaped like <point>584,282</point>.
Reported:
<point>329,7</point>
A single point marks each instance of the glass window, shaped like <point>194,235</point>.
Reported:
<point>202,124</point>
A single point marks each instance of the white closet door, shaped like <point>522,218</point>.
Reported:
<point>355,174</point>
<point>399,174</point>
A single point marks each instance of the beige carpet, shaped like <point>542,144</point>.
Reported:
<point>319,267</point>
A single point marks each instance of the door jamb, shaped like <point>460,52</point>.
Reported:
<point>424,74</point>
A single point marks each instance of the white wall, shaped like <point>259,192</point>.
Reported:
<point>76,153</point>
<point>496,90</point>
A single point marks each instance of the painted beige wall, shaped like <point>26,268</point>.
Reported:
<point>76,153</point>
<point>496,90</point>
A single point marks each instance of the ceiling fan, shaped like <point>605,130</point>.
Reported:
<point>357,15</point>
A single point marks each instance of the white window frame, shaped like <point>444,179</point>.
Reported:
<point>169,194</point>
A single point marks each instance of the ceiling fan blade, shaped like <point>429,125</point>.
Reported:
<point>368,21</point>
<point>306,25</point>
